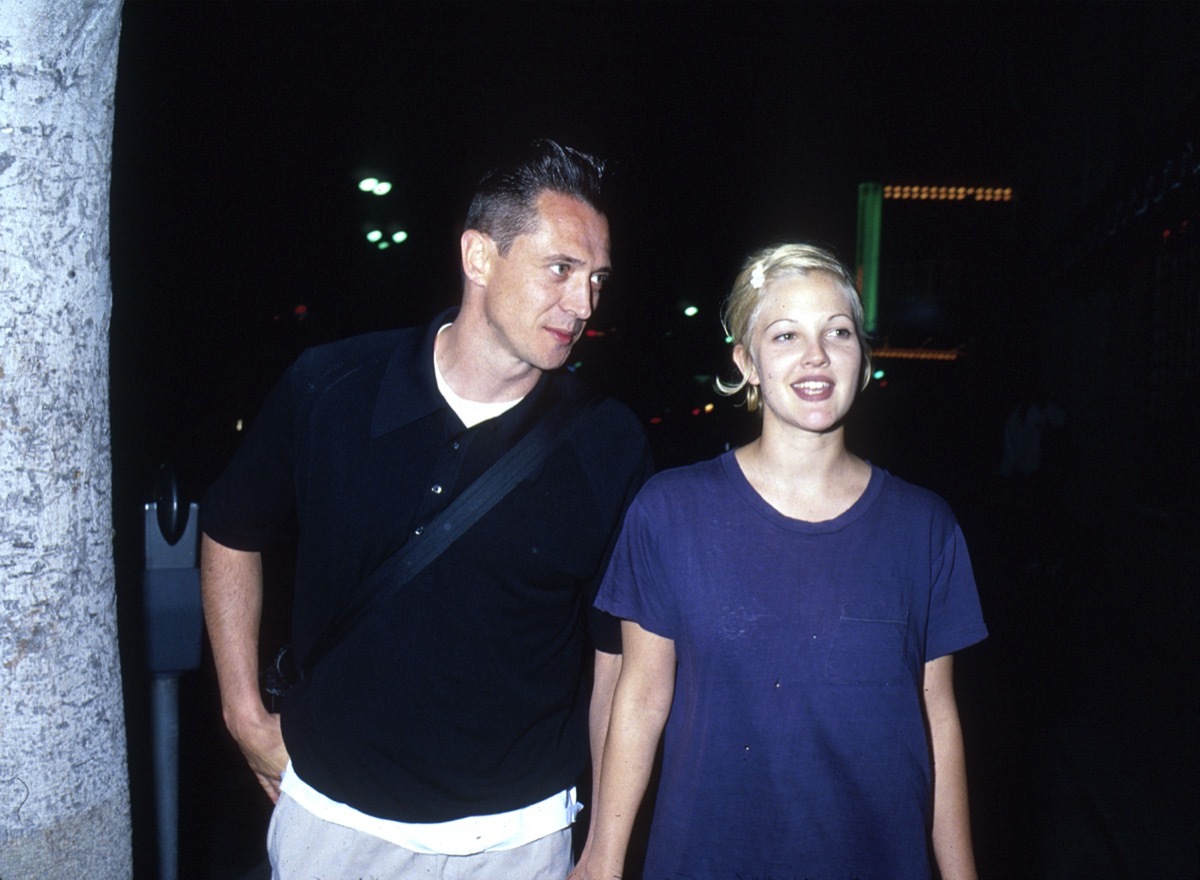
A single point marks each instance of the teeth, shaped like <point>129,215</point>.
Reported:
<point>812,386</point>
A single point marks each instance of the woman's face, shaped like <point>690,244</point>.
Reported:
<point>803,353</point>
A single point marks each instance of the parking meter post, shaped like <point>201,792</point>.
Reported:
<point>171,598</point>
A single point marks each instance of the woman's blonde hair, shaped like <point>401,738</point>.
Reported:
<point>771,264</point>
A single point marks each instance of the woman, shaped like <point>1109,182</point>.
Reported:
<point>789,614</point>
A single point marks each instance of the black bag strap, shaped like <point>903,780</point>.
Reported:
<point>462,513</point>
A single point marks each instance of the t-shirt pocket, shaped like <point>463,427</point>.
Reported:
<point>867,645</point>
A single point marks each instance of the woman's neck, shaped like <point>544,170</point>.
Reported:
<point>811,478</point>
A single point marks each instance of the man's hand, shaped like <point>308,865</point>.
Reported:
<point>231,587</point>
<point>261,742</point>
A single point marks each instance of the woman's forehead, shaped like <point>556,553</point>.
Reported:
<point>803,296</point>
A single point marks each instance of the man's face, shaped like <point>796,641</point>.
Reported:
<point>538,297</point>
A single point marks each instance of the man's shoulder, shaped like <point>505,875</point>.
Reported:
<point>609,439</point>
<point>608,420</point>
<point>324,365</point>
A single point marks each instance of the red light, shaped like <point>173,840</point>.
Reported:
<point>300,312</point>
<point>1166,234</point>
<point>593,332</point>
<point>656,420</point>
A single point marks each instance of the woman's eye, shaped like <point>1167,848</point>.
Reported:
<point>785,337</point>
<point>841,333</point>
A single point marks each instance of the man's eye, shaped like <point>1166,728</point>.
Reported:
<point>560,268</point>
<point>599,278</point>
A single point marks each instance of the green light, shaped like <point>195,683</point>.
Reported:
<point>400,237</point>
<point>729,340</point>
<point>870,225</point>
<point>374,235</point>
<point>691,311</point>
<point>382,188</point>
<point>368,184</point>
<point>384,245</point>
<point>878,374</point>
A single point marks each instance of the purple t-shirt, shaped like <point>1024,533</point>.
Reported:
<point>796,746</point>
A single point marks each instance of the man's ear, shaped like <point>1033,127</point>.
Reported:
<point>478,251</point>
<point>745,363</point>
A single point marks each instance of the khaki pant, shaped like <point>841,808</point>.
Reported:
<point>304,847</point>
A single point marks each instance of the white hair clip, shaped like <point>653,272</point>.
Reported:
<point>758,277</point>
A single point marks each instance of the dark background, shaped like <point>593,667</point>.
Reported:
<point>238,239</point>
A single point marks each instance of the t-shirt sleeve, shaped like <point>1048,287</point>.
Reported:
<point>252,503</point>
<point>635,586</point>
<point>955,616</point>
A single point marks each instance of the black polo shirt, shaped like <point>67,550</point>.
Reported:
<point>464,694</point>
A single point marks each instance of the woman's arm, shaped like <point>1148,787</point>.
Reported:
<point>639,712</point>
<point>951,815</point>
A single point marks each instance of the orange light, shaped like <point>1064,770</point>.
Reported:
<point>915,354</point>
<point>948,193</point>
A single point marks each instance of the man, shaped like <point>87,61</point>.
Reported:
<point>442,733</point>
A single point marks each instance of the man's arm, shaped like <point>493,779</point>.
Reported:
<point>232,589</point>
<point>640,706</point>
<point>951,817</point>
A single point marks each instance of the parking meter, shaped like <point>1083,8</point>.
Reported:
<point>173,625</point>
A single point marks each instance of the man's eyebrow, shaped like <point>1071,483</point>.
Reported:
<point>575,261</point>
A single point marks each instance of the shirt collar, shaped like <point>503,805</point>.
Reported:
<point>408,390</point>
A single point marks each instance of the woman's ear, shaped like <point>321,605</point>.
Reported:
<point>745,363</point>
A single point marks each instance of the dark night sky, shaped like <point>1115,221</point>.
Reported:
<point>242,127</point>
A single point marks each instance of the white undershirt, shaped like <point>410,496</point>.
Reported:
<point>458,837</point>
<point>471,834</point>
<point>472,412</point>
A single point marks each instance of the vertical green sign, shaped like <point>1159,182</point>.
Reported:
<point>870,225</point>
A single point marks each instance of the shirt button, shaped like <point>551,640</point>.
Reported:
<point>418,530</point>
<point>454,445</point>
<point>435,489</point>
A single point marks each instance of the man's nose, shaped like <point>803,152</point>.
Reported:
<point>580,297</point>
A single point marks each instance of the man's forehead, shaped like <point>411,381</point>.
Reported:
<point>550,202</point>
<point>568,222</point>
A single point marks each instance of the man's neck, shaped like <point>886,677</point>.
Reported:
<point>470,373</point>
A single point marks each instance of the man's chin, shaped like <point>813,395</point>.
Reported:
<point>555,361</point>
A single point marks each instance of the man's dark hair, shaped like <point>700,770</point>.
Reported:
<point>505,201</point>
